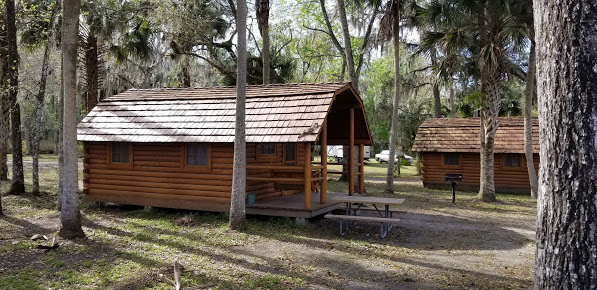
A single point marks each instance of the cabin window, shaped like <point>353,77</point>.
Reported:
<point>512,160</point>
<point>290,154</point>
<point>197,154</point>
<point>121,152</point>
<point>266,149</point>
<point>452,159</point>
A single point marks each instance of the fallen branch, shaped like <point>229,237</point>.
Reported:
<point>53,245</point>
<point>177,277</point>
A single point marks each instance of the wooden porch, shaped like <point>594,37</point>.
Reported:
<point>294,206</point>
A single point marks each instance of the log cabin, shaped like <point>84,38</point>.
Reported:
<point>174,147</point>
<point>452,146</point>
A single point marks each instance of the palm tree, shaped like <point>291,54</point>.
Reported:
<point>483,30</point>
<point>128,20</point>
<point>239,175</point>
<point>70,216</point>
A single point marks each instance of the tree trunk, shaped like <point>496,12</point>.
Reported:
<point>452,105</point>
<point>40,104</point>
<point>18,178</point>
<point>60,117</point>
<point>489,120</point>
<point>239,175</point>
<point>354,79</point>
<point>437,102</point>
<point>91,72</point>
<point>70,216</point>
<point>4,101</point>
<point>186,71</point>
<point>263,20</point>
<point>567,85</point>
<point>394,128</point>
<point>528,123</point>
<point>491,84</point>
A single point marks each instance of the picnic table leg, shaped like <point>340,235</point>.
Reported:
<point>385,227</point>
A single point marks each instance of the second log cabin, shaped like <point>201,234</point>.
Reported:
<point>174,147</point>
<point>452,146</point>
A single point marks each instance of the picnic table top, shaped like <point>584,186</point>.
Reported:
<point>368,199</point>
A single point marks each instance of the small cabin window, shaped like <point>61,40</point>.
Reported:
<point>512,160</point>
<point>290,154</point>
<point>196,154</point>
<point>121,152</point>
<point>452,159</point>
<point>266,149</point>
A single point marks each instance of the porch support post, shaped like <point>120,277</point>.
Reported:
<point>323,140</point>
<point>307,175</point>
<point>351,154</point>
<point>362,168</point>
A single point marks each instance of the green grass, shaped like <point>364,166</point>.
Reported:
<point>127,246</point>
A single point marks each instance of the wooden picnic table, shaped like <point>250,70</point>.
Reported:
<point>355,203</point>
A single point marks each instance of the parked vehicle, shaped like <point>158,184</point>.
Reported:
<point>384,156</point>
<point>336,152</point>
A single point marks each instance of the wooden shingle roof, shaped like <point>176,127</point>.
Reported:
<point>462,135</point>
<point>274,113</point>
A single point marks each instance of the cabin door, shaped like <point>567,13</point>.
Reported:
<point>290,154</point>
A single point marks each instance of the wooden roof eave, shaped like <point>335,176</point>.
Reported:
<point>348,86</point>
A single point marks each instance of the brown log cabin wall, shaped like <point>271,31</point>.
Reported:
<point>507,179</point>
<point>156,176</point>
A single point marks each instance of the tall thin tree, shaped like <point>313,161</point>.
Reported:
<point>239,171</point>
<point>262,11</point>
<point>18,178</point>
<point>4,101</point>
<point>40,101</point>
<point>567,92</point>
<point>390,29</point>
<point>529,93</point>
<point>70,216</point>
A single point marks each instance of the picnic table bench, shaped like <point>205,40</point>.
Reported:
<point>356,203</point>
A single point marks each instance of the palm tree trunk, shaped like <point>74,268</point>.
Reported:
<point>567,82</point>
<point>91,71</point>
<point>394,126</point>
<point>239,175</point>
<point>40,105</point>
<point>437,102</point>
<point>70,215</point>
<point>528,123</point>
<point>452,105</point>
<point>18,178</point>
<point>490,87</point>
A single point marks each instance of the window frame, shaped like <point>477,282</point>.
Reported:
<point>266,156</point>
<point>114,164</point>
<point>191,167</point>
<point>522,162</point>
<point>443,160</point>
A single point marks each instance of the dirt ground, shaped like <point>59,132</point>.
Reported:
<point>437,245</point>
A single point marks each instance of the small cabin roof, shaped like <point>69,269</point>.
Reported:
<point>462,135</point>
<point>274,113</point>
